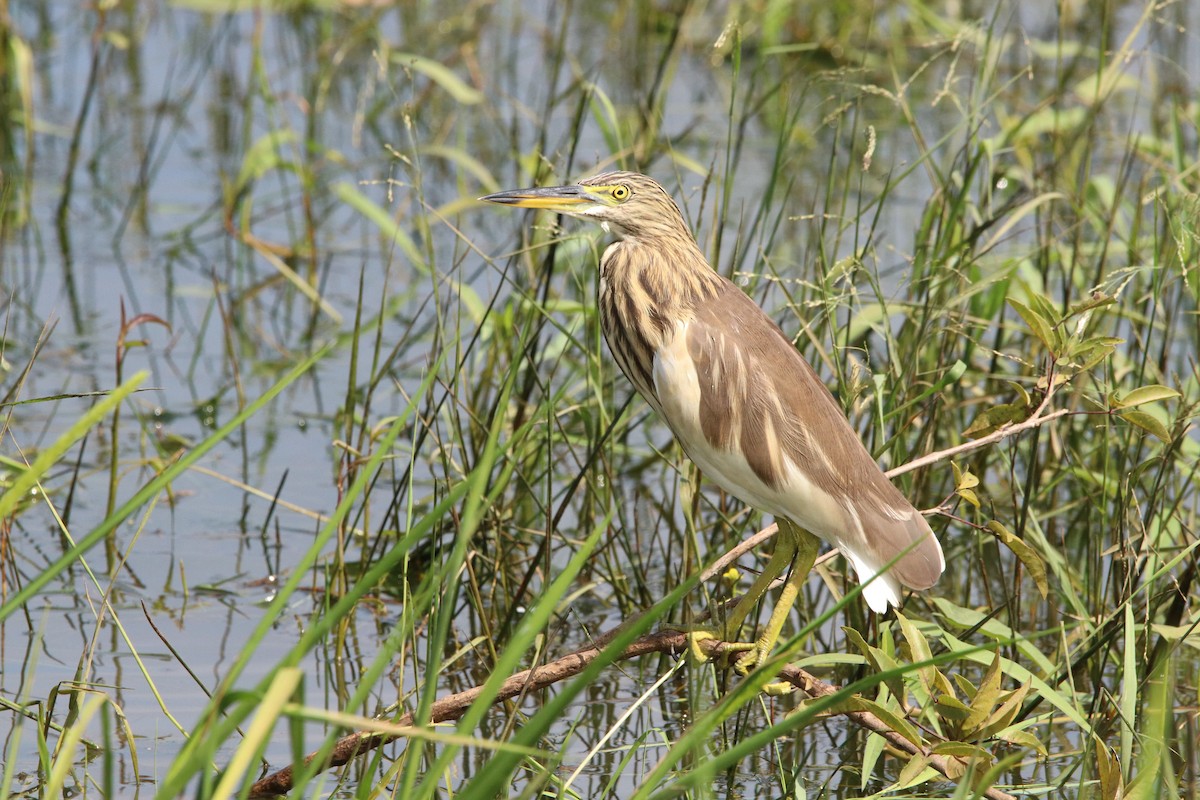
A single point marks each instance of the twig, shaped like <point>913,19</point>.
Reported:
<point>1002,433</point>
<point>454,706</point>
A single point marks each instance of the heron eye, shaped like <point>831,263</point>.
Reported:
<point>620,192</point>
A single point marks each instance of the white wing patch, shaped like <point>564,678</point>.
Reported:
<point>881,591</point>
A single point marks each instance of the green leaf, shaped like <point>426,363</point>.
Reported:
<point>965,686</point>
<point>1097,300</point>
<point>1092,354</point>
<point>872,750</point>
<point>263,156</point>
<point>1042,305</point>
<point>1022,738</point>
<point>911,775</point>
<point>952,708</point>
<point>961,750</point>
<point>1108,769</point>
<point>1051,120</point>
<point>971,619</point>
<point>1060,700</point>
<point>896,722</point>
<point>1022,392</point>
<point>964,485</point>
<point>1042,328</point>
<point>1027,555</point>
<point>1004,715</point>
<point>858,641</point>
<point>349,194</point>
<point>441,75</point>
<point>985,698</point>
<point>881,661</point>
<point>960,756</point>
<point>956,371</point>
<point>27,480</point>
<point>918,650</point>
<point>994,418</point>
<point>1144,394</point>
<point>1147,423</point>
<point>965,480</point>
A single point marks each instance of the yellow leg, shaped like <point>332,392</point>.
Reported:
<point>795,548</point>
<point>804,547</point>
<point>781,559</point>
<point>785,551</point>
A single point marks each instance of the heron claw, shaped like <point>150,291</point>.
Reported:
<point>699,656</point>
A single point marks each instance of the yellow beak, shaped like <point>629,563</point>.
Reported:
<point>564,199</point>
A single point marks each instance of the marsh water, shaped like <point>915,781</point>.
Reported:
<point>214,169</point>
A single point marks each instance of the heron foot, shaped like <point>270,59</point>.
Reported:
<point>696,650</point>
<point>752,655</point>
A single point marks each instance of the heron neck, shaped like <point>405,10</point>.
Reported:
<point>667,277</point>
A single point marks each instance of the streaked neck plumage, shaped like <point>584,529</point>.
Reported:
<point>650,281</point>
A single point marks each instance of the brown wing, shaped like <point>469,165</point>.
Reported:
<point>758,393</point>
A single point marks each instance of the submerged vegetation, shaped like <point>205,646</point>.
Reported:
<point>306,451</point>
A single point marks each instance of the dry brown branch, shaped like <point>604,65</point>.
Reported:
<point>454,706</point>
<point>669,642</point>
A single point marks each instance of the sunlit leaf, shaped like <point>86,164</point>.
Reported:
<point>912,775</point>
<point>441,75</point>
<point>1097,300</point>
<point>994,418</point>
<point>1023,739</point>
<point>465,161</point>
<point>263,156</point>
<point>1108,769</point>
<point>1144,394</point>
<point>985,698</point>
<point>975,620</point>
<point>27,480</point>
<point>1003,716</point>
<point>1032,562</point>
<point>965,686</point>
<point>1187,634</point>
<point>1021,393</point>
<point>1088,357</point>
<point>868,317</point>
<point>1147,423</point>
<point>964,485</point>
<point>350,194</point>
<point>1051,120</point>
<point>960,756</point>
<point>1041,305</point>
<point>1060,377</point>
<point>895,721</point>
<point>881,661</point>
<point>952,708</point>
<point>961,750</point>
<point>1042,328</point>
<point>965,480</point>
<point>918,650</point>
<point>1094,89</point>
<point>872,750</point>
<point>1059,699</point>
